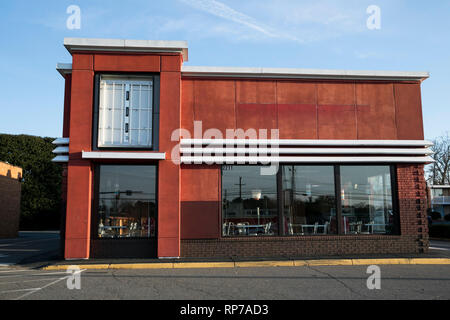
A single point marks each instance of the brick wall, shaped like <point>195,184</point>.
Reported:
<point>10,189</point>
<point>413,238</point>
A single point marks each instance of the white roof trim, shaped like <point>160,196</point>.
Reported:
<point>64,68</point>
<point>200,71</point>
<point>124,155</point>
<point>157,46</point>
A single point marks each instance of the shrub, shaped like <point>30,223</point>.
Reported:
<point>41,186</point>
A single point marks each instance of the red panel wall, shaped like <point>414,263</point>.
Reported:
<point>337,122</point>
<point>297,120</point>
<point>408,108</point>
<point>254,91</point>
<point>200,202</point>
<point>376,111</point>
<point>127,63</point>
<point>215,104</point>
<point>306,109</point>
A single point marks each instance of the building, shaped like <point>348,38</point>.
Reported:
<point>440,199</point>
<point>10,191</point>
<point>168,160</point>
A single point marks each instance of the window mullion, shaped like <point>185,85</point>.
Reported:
<point>337,183</point>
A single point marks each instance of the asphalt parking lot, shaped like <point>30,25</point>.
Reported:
<point>427,282</point>
<point>22,279</point>
<point>29,247</point>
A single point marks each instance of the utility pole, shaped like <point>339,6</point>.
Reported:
<point>241,206</point>
<point>240,187</point>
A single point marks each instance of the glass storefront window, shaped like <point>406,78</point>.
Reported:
<point>303,200</point>
<point>366,198</point>
<point>126,205</point>
<point>249,202</point>
<point>309,201</point>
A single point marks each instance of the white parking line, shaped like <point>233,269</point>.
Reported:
<point>48,285</point>
<point>437,248</point>
<point>36,280</point>
<point>25,270</point>
<point>19,290</point>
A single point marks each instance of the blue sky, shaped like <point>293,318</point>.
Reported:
<point>326,34</point>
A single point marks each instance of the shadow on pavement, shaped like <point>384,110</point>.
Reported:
<point>30,248</point>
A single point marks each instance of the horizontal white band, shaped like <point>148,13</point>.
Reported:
<point>61,141</point>
<point>61,159</point>
<point>61,150</point>
<point>124,155</point>
<point>288,142</point>
<point>267,151</point>
<point>274,160</point>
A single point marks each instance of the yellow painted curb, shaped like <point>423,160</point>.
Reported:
<point>300,263</point>
<point>437,261</point>
<point>141,266</point>
<point>343,262</point>
<point>257,264</point>
<point>201,265</point>
<point>81,266</point>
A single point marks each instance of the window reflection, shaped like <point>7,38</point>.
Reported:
<point>250,206</point>
<point>309,200</point>
<point>127,201</point>
<point>366,198</point>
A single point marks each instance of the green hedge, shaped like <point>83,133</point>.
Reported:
<point>440,231</point>
<point>41,186</point>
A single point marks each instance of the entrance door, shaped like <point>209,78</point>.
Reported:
<point>124,213</point>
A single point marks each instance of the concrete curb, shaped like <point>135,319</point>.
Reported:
<point>256,264</point>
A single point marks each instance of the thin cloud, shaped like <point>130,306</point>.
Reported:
<point>223,11</point>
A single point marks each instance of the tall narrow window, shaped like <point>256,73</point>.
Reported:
<point>126,201</point>
<point>366,198</point>
<point>125,112</point>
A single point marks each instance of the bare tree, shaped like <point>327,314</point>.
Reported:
<point>439,172</point>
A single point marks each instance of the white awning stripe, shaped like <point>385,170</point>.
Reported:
<point>229,151</point>
<point>315,143</point>
<point>61,150</point>
<point>265,151</point>
<point>273,160</point>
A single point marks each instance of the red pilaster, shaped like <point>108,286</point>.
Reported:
<point>169,172</point>
<point>78,215</point>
